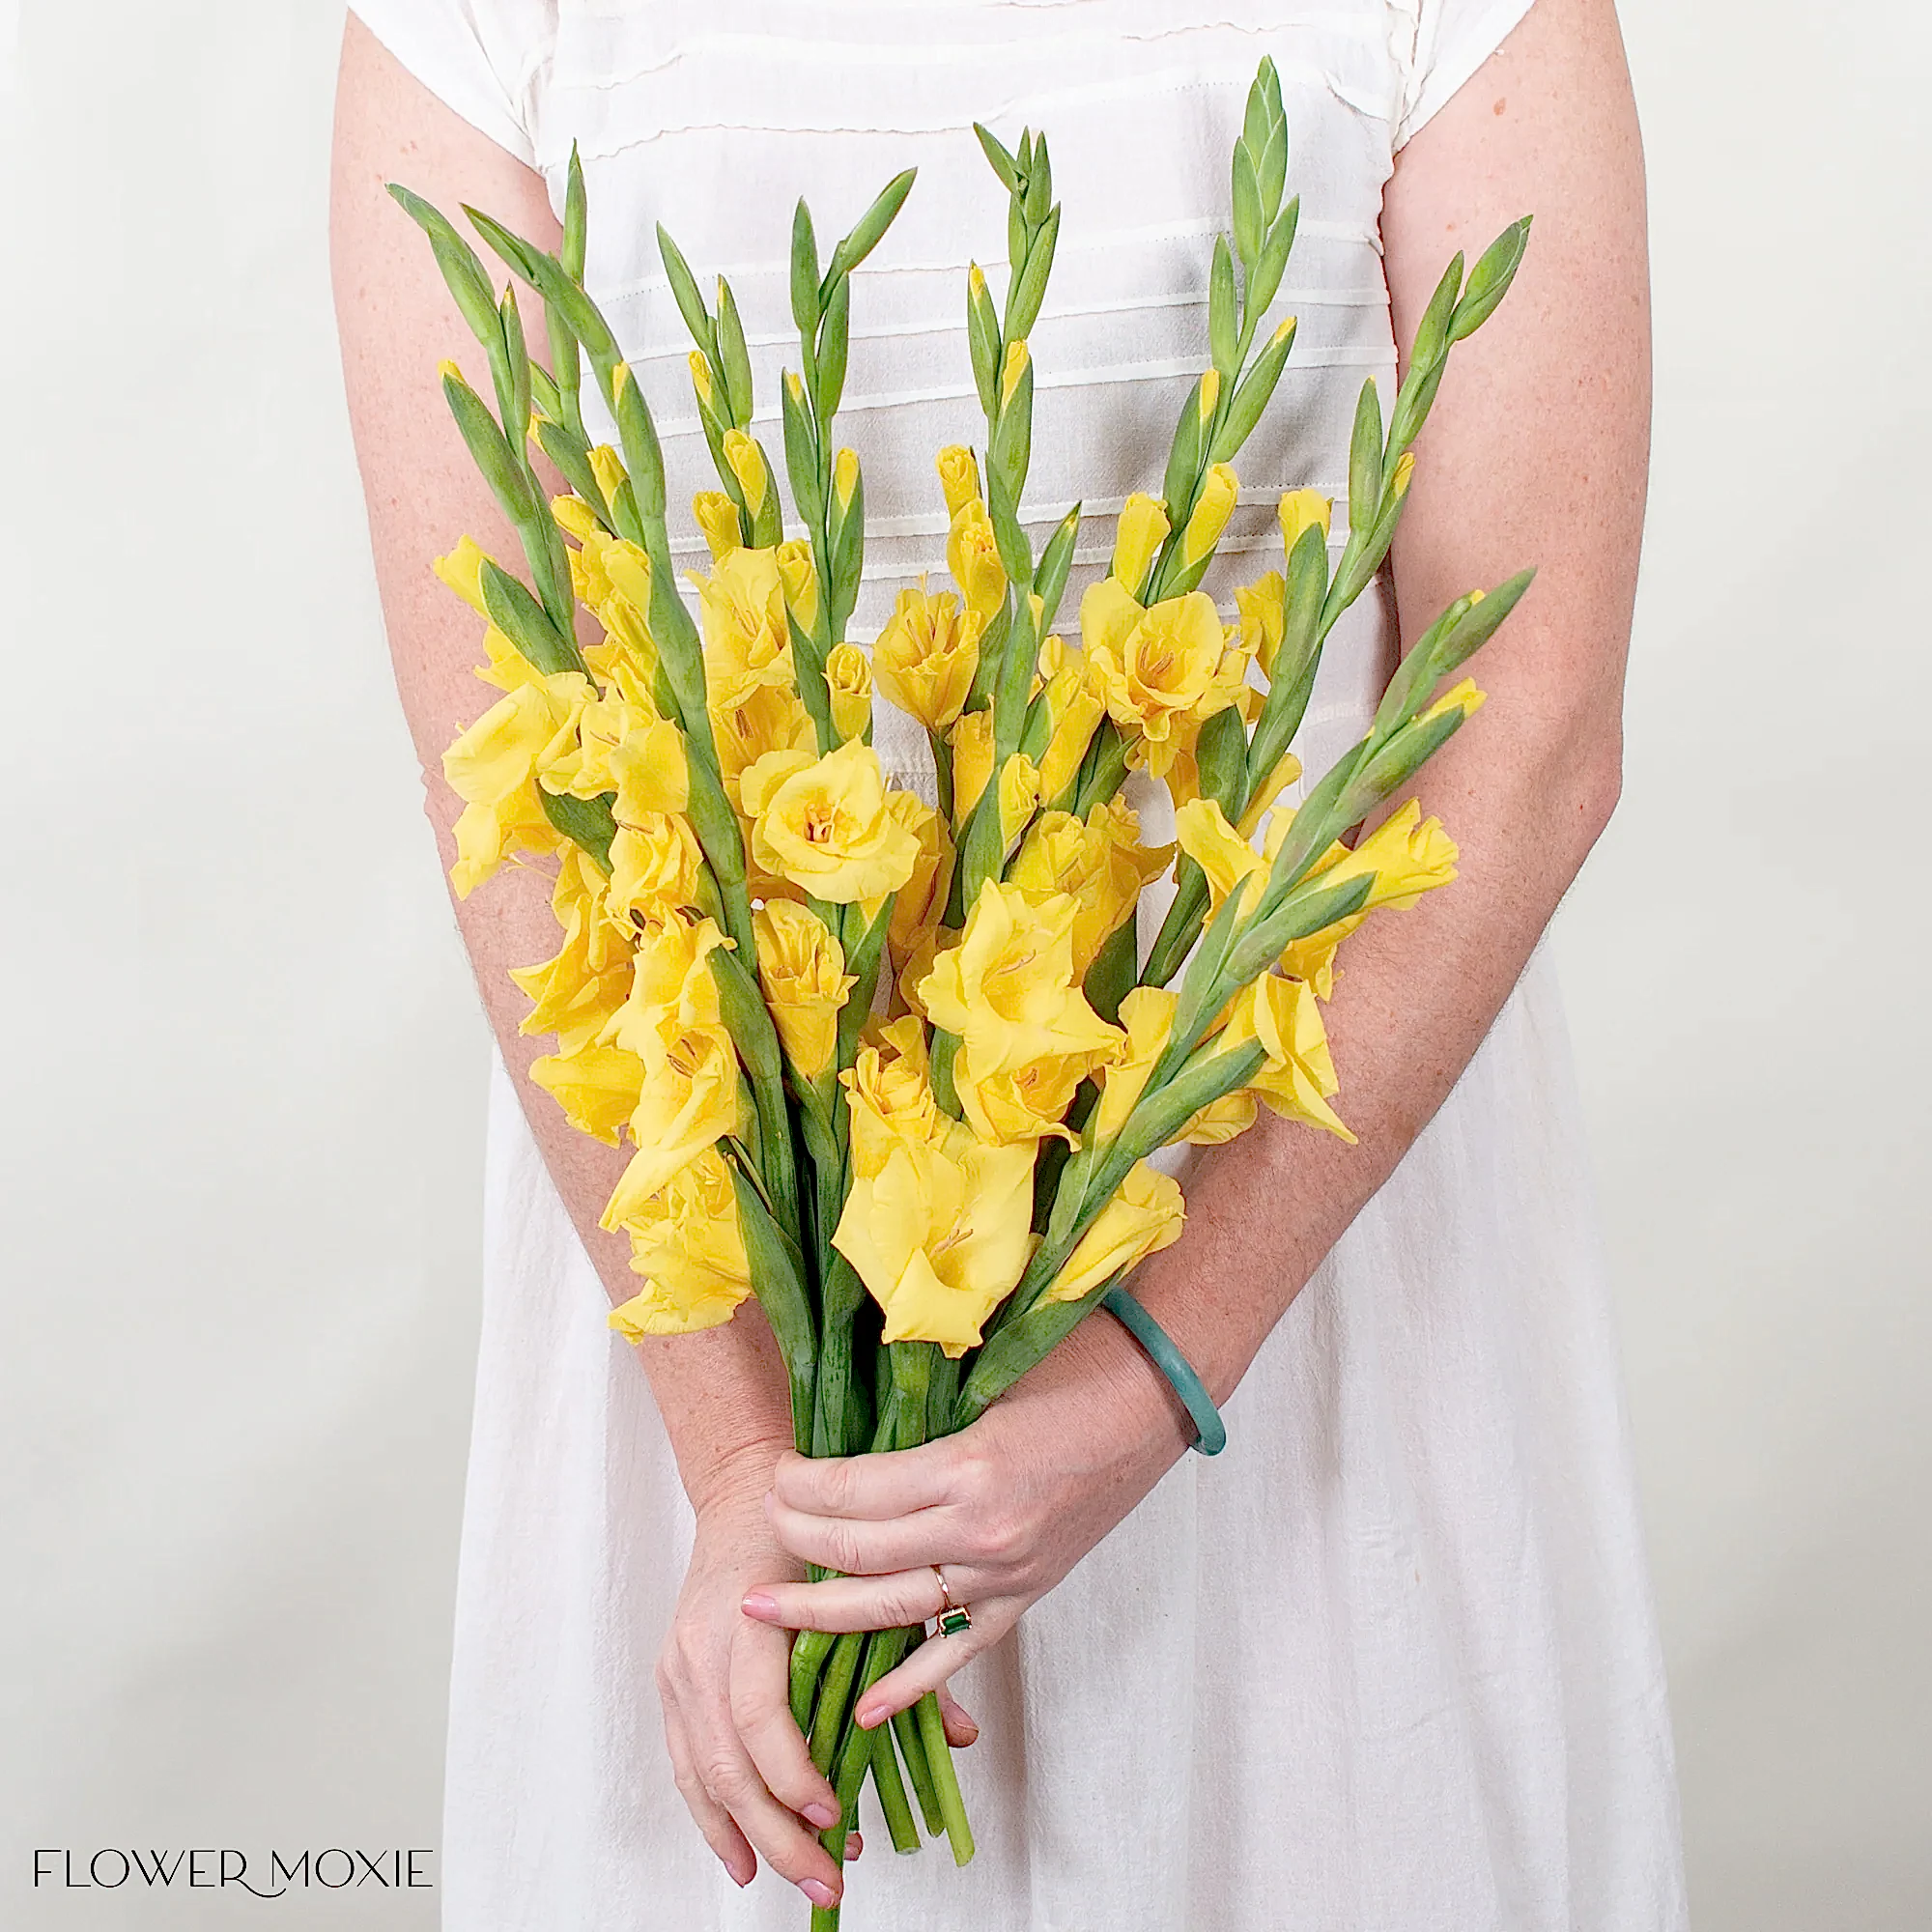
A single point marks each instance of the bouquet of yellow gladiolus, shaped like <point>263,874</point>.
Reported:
<point>898,1070</point>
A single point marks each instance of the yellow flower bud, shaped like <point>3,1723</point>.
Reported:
<point>1405,473</point>
<point>450,373</point>
<point>798,576</point>
<point>747,465</point>
<point>972,738</point>
<point>608,467</point>
<point>1143,530</point>
<point>718,517</point>
<point>958,476</point>
<point>1144,1216</point>
<point>1299,508</point>
<point>700,381</point>
<point>1463,698</point>
<point>463,571</point>
<point>1211,511</point>
<point>975,281</point>
<point>1210,397</point>
<point>845,479</point>
<point>973,555</point>
<point>848,677</point>
<point>1011,370</point>
<point>802,969</point>
<point>1261,608</point>
<point>1019,796</point>
<point>620,376</point>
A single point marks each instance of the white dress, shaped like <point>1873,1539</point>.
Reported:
<point>1387,1666</point>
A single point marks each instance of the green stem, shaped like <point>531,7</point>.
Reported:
<point>809,1651</point>
<point>891,1787</point>
<point>912,1748</point>
<point>834,1695</point>
<point>946,1782</point>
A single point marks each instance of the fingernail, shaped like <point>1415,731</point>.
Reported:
<point>740,1879</point>
<point>822,1815</point>
<point>869,1717</point>
<point>759,1603</point>
<point>817,1892</point>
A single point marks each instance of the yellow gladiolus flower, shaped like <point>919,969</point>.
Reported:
<point>798,579</point>
<point>689,1103</point>
<point>940,1235</point>
<point>766,719</point>
<point>746,642</point>
<point>717,519</point>
<point>1160,670</point>
<point>844,480</point>
<point>1098,863</point>
<point>575,518</point>
<point>1075,704</point>
<point>1023,1104</point>
<point>1011,371</point>
<point>1212,508</point>
<point>973,556</point>
<point>1143,530</point>
<point>1019,797</point>
<point>927,655</point>
<point>890,1097</point>
<point>1286,769</point>
<point>671,988</point>
<point>1298,1077</point>
<point>655,865</point>
<point>958,477</point>
<point>1008,988</point>
<point>687,1238</point>
<point>494,767</point>
<point>922,901</point>
<point>597,1087</point>
<point>1261,608</point>
<point>848,678</point>
<point>1298,509</point>
<point>747,462</point>
<point>802,968</point>
<point>575,994</point>
<point>1228,859</point>
<point>1144,1217</point>
<point>972,739</point>
<point>826,826</point>
<point>700,378</point>
<point>463,571</point>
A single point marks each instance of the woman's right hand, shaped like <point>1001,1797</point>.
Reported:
<point>725,1681</point>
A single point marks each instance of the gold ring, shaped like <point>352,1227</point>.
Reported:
<point>954,1619</point>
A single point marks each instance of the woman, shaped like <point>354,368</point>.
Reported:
<point>1390,1662</point>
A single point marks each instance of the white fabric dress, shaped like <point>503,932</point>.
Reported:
<point>1389,1665</point>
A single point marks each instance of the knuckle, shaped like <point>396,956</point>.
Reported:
<point>998,1538</point>
<point>973,1478</point>
<point>725,1778</point>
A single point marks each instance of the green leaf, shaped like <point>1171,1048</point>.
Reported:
<point>1253,397</point>
<point>1249,225</point>
<point>1222,326</point>
<point>1049,580</point>
<point>1183,461</point>
<point>587,822</point>
<point>983,340</point>
<point>1490,280</point>
<point>488,450</point>
<point>1029,287</point>
<point>684,291</point>
<point>1463,640</point>
<point>1264,279</point>
<point>869,231</point>
<point>1010,450</point>
<point>1016,553</point>
<point>804,275</point>
<point>802,461</point>
<point>736,362</point>
<point>1039,184</point>
<point>1431,333</point>
<point>1365,459</point>
<point>520,256</point>
<point>576,226</point>
<point>1000,160</point>
<point>521,619</point>
<point>832,345</point>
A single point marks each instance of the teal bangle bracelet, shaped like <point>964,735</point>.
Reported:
<point>1210,1433</point>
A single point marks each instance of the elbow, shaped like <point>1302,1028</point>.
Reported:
<point>1583,782</point>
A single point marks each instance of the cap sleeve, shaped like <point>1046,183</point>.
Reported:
<point>481,58</point>
<point>1452,39</point>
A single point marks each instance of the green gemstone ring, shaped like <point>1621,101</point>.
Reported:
<point>954,1619</point>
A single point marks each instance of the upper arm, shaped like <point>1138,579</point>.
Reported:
<point>397,323</point>
<point>1537,447</point>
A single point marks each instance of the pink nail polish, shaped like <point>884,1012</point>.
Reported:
<point>869,1718</point>
<point>822,1815</point>
<point>820,1895</point>
<point>759,1603</point>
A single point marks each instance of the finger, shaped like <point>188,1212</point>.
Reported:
<point>962,1728</point>
<point>724,1837</point>
<point>854,1845</point>
<point>886,1483</point>
<point>867,1547</point>
<point>934,1661</point>
<point>790,1848</point>
<point>857,1603</point>
<point>761,1709</point>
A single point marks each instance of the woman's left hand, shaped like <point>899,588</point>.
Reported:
<point>1008,1506</point>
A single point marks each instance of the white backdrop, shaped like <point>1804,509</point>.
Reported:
<point>246,1071</point>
